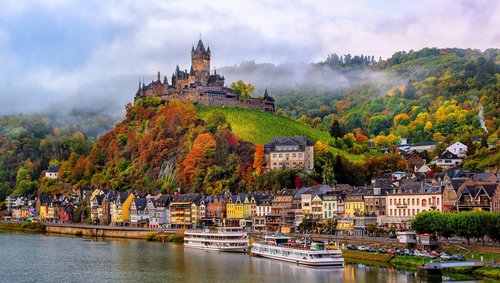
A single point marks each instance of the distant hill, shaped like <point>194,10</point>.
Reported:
<point>259,127</point>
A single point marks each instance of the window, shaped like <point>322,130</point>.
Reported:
<point>412,201</point>
<point>413,211</point>
<point>274,155</point>
<point>424,202</point>
<point>294,154</point>
<point>280,155</point>
<point>390,201</point>
<point>300,154</point>
<point>390,212</point>
<point>418,201</point>
<point>437,200</point>
<point>287,155</point>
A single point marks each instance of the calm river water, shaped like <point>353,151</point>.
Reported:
<point>43,258</point>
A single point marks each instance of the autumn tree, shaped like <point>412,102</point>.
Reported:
<point>197,160</point>
<point>259,159</point>
<point>241,89</point>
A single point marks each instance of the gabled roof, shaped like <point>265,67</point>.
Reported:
<point>53,169</point>
<point>448,155</point>
<point>140,203</point>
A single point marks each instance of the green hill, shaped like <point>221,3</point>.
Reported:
<point>259,127</point>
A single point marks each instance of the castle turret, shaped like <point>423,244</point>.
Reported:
<point>200,60</point>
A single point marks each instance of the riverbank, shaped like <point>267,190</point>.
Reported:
<point>410,262</point>
<point>28,227</point>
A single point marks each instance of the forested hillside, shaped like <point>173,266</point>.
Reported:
<point>440,95</point>
<point>443,95</point>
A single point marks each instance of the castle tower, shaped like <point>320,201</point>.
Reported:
<point>200,61</point>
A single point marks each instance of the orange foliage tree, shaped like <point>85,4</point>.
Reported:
<point>197,160</point>
<point>259,159</point>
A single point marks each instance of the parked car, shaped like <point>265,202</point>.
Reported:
<point>445,256</point>
<point>370,249</point>
<point>382,250</point>
<point>436,253</point>
<point>418,253</point>
<point>361,248</point>
<point>352,247</point>
<point>431,256</point>
<point>408,252</point>
<point>458,257</point>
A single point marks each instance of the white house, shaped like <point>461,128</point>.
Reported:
<point>447,159</point>
<point>458,149</point>
<point>52,173</point>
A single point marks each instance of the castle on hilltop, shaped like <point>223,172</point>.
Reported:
<point>201,86</point>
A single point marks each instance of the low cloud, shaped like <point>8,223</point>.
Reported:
<point>94,53</point>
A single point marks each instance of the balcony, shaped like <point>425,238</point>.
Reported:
<point>474,204</point>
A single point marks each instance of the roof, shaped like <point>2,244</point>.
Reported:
<point>302,142</point>
<point>417,187</point>
<point>140,203</point>
<point>186,198</point>
<point>448,155</point>
<point>484,177</point>
<point>53,169</point>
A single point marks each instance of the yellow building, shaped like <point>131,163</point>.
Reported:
<point>235,208</point>
<point>126,208</point>
<point>354,205</point>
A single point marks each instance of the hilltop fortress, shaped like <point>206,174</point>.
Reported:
<point>201,86</point>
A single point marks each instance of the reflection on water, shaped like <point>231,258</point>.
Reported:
<point>41,258</point>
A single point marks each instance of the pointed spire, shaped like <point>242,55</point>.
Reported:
<point>200,47</point>
<point>177,70</point>
<point>165,81</point>
<point>192,49</point>
<point>265,93</point>
<point>208,50</point>
<point>158,76</point>
<point>191,71</point>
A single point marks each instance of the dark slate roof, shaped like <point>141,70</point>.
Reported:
<point>302,142</point>
<point>53,169</point>
<point>448,155</point>
<point>100,198</point>
<point>416,187</point>
<point>162,201</point>
<point>482,177</point>
<point>186,198</point>
<point>299,192</point>
<point>200,47</point>
<point>457,173</point>
<point>344,188</point>
<point>140,203</point>
<point>456,182</point>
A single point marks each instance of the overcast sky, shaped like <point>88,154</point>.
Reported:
<point>76,51</point>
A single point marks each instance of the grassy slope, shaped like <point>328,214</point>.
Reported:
<point>258,127</point>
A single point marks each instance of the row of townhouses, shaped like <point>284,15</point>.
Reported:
<point>391,201</point>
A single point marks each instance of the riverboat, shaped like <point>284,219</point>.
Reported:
<point>224,239</point>
<point>311,254</point>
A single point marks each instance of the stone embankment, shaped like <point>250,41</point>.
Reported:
<point>102,231</point>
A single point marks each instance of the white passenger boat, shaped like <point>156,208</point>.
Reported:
<point>314,254</point>
<point>224,239</point>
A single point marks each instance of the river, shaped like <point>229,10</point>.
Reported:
<point>45,258</point>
